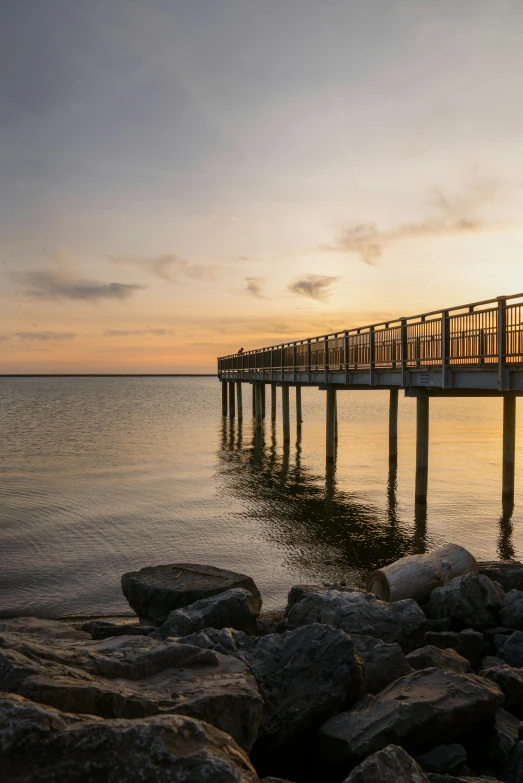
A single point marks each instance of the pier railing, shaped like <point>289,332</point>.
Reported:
<point>473,335</point>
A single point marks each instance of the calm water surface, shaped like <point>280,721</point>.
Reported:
<point>102,475</point>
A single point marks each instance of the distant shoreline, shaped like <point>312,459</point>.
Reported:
<point>111,375</point>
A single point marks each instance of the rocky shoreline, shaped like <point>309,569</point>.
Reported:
<point>204,686</point>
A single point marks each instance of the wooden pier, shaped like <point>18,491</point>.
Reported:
<point>470,350</point>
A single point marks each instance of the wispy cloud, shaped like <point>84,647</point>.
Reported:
<point>255,287</point>
<point>169,267</point>
<point>452,214</point>
<point>45,337</point>
<point>314,286</point>
<point>129,332</point>
<point>61,284</point>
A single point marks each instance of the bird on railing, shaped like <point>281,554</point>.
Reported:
<point>240,350</point>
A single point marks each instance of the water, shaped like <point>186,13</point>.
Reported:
<point>102,475</point>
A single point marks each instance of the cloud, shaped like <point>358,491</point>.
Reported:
<point>129,332</point>
<point>314,286</point>
<point>255,287</point>
<point>61,284</point>
<point>45,337</point>
<point>452,215</point>
<point>169,267</point>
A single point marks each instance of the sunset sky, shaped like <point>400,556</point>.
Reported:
<point>180,178</point>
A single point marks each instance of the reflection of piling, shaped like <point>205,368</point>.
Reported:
<point>273,402</point>
<point>285,414</point>
<point>224,398</point>
<point>509,447</point>
<point>231,399</point>
<point>254,399</point>
<point>331,425</point>
<point>258,405</point>
<point>239,400</point>
<point>299,417</point>
<point>263,399</point>
<point>422,449</point>
<point>393,425</point>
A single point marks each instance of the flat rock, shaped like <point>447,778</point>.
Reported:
<point>357,612</point>
<point>508,573</point>
<point>512,610</point>
<point>133,677</point>
<point>419,710</point>
<point>155,591</point>
<point>390,765</point>
<point>511,651</point>
<point>450,660</point>
<point>235,608</point>
<point>443,758</point>
<point>471,601</point>
<point>384,663</point>
<point>43,629</point>
<point>510,681</point>
<point>42,744</point>
<point>468,643</point>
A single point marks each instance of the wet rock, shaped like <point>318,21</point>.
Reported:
<point>510,681</point>
<point>383,662</point>
<point>133,677</point>
<point>511,651</point>
<point>468,643</point>
<point>443,758</point>
<point>41,744</point>
<point>155,591</point>
<point>100,629</point>
<point>471,601</point>
<point>492,744</point>
<point>428,656</point>
<point>356,612</point>
<point>390,765</point>
<point>512,610</point>
<point>508,573</point>
<point>421,709</point>
<point>235,608</point>
<point>513,772</point>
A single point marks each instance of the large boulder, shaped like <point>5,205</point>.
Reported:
<point>42,744</point>
<point>390,765</point>
<point>133,677</point>
<point>235,608</point>
<point>512,610</point>
<point>418,711</point>
<point>450,660</point>
<point>155,591</point>
<point>511,651</point>
<point>510,681</point>
<point>357,612</point>
<point>471,601</point>
<point>468,643</point>
<point>508,573</point>
<point>383,662</point>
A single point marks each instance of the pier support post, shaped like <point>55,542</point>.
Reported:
<point>273,402</point>
<point>254,399</point>
<point>285,414</point>
<point>224,398</point>
<point>239,400</point>
<point>422,449</point>
<point>258,407</point>
<point>263,399</point>
<point>331,425</point>
<point>231,399</point>
<point>299,418</point>
<point>393,425</point>
<point>509,447</point>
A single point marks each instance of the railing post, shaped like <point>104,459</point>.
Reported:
<point>502,341</point>
<point>403,352</point>
<point>445,348</point>
<point>309,361</point>
<point>326,359</point>
<point>294,362</point>
<point>346,351</point>
<point>371,356</point>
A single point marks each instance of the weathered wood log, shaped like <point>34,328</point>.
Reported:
<point>416,576</point>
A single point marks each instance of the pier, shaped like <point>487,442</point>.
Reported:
<point>467,351</point>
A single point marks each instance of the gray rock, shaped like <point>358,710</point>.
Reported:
<point>383,662</point>
<point>236,608</point>
<point>133,677</point>
<point>40,744</point>
<point>508,573</point>
<point>513,771</point>
<point>99,629</point>
<point>495,740</point>
<point>491,661</point>
<point>512,610</point>
<point>155,591</point>
<point>468,643</point>
<point>509,680</point>
<point>428,707</point>
<point>511,651</point>
<point>471,601</point>
<point>390,765</point>
<point>356,612</point>
<point>443,758</point>
<point>428,656</point>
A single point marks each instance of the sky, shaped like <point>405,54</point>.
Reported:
<point>180,178</point>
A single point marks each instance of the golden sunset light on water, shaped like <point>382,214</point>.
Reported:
<point>182,179</point>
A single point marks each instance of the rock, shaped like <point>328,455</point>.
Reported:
<point>390,765</point>
<point>428,656</point>
<point>443,758</point>
<point>99,629</point>
<point>269,621</point>
<point>155,591</point>
<point>494,741</point>
<point>383,662</point>
<point>509,680</point>
<point>490,661</point>
<point>513,772</point>
<point>44,629</point>
<point>133,677</point>
<point>274,780</point>
<point>437,778</point>
<point>41,744</point>
<point>471,601</point>
<point>235,608</point>
<point>508,573</point>
<point>511,651</point>
<point>468,643</point>
<point>419,710</point>
<point>512,610</point>
<point>356,612</point>
<point>494,638</point>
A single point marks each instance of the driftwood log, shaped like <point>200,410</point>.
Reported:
<point>416,576</point>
